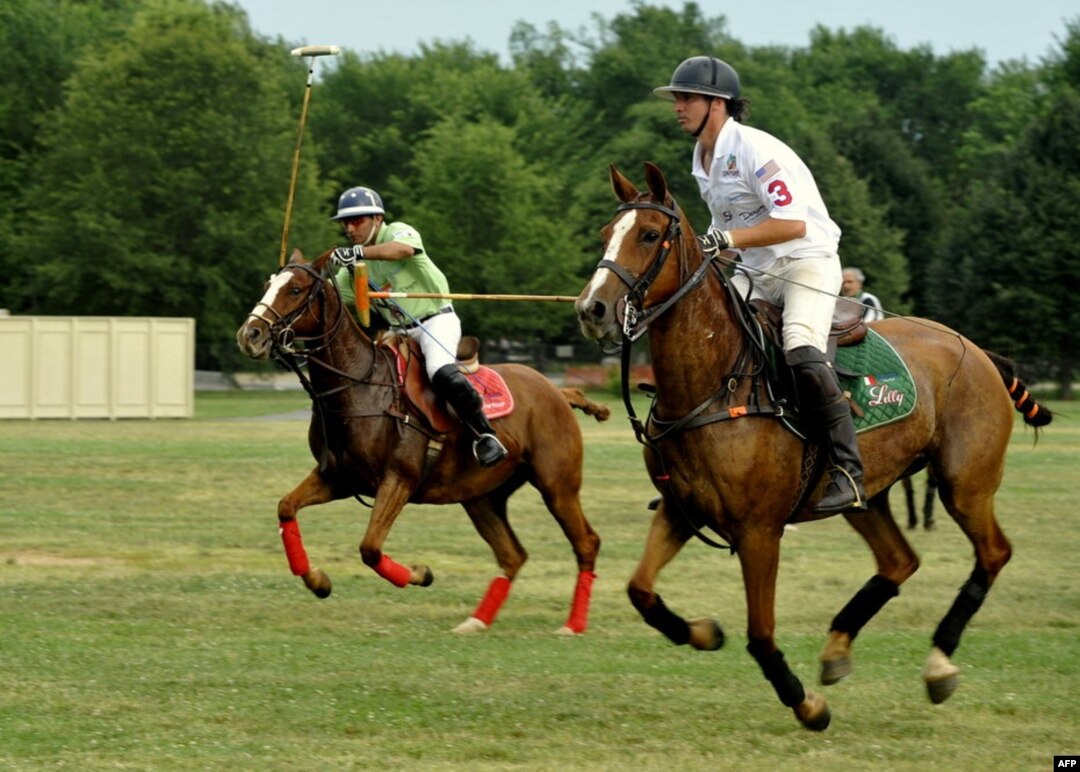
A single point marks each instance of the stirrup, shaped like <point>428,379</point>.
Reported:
<point>493,455</point>
<point>859,504</point>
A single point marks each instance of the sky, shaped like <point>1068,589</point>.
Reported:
<point>1001,29</point>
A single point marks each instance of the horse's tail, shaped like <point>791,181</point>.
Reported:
<point>1034,414</point>
<point>577,398</point>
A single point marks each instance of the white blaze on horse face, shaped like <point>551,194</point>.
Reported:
<point>277,284</point>
<point>614,246</point>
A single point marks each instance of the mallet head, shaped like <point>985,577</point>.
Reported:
<point>316,51</point>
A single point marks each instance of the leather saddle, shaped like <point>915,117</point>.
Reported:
<point>413,378</point>
<point>848,327</point>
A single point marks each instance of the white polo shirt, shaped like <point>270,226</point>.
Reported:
<point>755,176</point>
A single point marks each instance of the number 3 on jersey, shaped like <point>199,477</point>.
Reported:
<point>779,193</point>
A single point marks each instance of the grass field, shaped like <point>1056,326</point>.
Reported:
<point>149,621</point>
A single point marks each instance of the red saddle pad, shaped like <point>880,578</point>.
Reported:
<point>498,401</point>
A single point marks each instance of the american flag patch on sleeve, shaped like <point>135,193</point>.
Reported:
<point>766,171</point>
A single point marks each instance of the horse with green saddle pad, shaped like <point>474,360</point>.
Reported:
<point>721,448</point>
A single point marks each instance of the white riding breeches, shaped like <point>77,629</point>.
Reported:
<point>438,337</point>
<point>806,289</point>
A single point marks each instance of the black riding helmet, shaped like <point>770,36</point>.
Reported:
<point>705,75</point>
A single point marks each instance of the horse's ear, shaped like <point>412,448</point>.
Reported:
<point>656,182</point>
<point>319,263</point>
<point>624,189</point>
<point>296,257</point>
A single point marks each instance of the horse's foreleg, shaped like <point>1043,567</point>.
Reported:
<point>390,498</point>
<point>759,556</point>
<point>896,562</point>
<point>313,490</point>
<point>661,546</point>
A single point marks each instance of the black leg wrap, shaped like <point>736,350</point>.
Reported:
<point>663,619</point>
<point>788,686</point>
<point>971,597</point>
<point>866,603</point>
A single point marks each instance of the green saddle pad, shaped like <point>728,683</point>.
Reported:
<point>878,379</point>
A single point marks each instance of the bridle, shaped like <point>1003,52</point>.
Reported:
<point>635,323</point>
<point>636,318</point>
<point>284,350</point>
<point>282,336</point>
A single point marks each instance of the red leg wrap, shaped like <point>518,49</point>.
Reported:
<point>579,612</point>
<point>294,547</point>
<point>395,573</point>
<point>493,600</point>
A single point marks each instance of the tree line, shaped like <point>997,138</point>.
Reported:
<point>147,148</point>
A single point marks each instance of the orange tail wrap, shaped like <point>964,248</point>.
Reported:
<point>360,288</point>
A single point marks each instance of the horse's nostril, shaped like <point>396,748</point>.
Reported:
<point>598,310</point>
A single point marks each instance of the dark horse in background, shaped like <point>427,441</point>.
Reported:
<point>370,440</point>
<point>722,465</point>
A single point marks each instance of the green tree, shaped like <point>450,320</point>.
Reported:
<point>41,40</point>
<point>494,223</point>
<point>160,185</point>
<point>1013,280</point>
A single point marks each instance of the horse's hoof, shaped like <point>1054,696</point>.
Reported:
<point>836,658</point>
<point>706,634</point>
<point>318,582</point>
<point>942,689</point>
<point>813,712</point>
<point>426,577</point>
<point>835,670</point>
<point>470,626</point>
<point>568,632</point>
<point>941,676</point>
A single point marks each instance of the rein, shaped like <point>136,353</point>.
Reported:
<point>284,351</point>
<point>750,361</point>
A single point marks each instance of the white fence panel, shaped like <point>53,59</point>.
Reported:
<point>97,367</point>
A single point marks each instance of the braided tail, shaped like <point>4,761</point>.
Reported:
<point>1034,414</point>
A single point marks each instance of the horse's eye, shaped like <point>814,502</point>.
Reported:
<point>295,291</point>
<point>651,237</point>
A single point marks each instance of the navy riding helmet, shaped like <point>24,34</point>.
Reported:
<point>357,202</point>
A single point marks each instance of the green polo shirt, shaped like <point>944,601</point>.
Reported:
<point>413,274</point>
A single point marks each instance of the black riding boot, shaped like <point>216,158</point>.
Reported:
<point>452,386</point>
<point>827,410</point>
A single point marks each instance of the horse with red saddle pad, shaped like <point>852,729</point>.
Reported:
<point>377,431</point>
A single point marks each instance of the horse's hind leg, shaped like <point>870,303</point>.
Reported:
<point>661,546</point>
<point>488,515</point>
<point>312,490</point>
<point>896,562</point>
<point>973,510</point>
<point>563,500</point>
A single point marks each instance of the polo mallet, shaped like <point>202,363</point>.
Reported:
<point>312,51</point>
<point>364,293</point>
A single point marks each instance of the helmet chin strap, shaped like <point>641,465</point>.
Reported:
<point>371,236</point>
<point>708,114</point>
